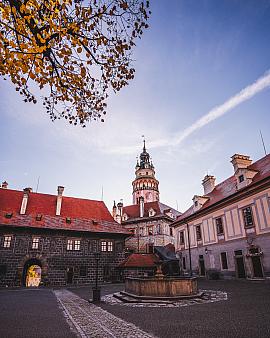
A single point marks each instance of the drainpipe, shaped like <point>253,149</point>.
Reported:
<point>189,251</point>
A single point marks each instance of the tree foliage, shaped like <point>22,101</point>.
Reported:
<point>76,51</point>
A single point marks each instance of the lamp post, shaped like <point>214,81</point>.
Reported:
<point>189,251</point>
<point>96,288</point>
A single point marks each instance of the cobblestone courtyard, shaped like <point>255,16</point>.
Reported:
<point>229,309</point>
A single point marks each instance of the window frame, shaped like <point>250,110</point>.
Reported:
<point>182,237</point>
<point>35,243</point>
<point>77,244</point>
<point>69,244</point>
<point>222,261</point>
<point>7,241</point>
<point>219,225</point>
<point>245,217</point>
<point>198,232</point>
<point>107,246</point>
<point>241,178</point>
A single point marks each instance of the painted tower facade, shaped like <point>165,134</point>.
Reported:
<point>145,184</point>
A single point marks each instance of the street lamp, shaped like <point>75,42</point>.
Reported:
<point>179,257</point>
<point>189,251</point>
<point>96,288</point>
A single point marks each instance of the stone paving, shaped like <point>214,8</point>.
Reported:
<point>89,320</point>
<point>209,296</point>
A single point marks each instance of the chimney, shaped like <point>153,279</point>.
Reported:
<point>4,185</point>
<point>141,202</point>
<point>240,162</point>
<point>60,190</point>
<point>26,193</point>
<point>208,184</point>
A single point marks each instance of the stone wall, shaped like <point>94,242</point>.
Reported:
<point>160,235</point>
<point>212,257</point>
<point>56,260</point>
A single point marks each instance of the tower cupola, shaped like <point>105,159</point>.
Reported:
<point>145,184</point>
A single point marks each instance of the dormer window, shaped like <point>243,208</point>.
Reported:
<point>125,217</point>
<point>38,217</point>
<point>199,201</point>
<point>241,178</point>
<point>151,212</point>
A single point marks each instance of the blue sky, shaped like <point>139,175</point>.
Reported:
<point>195,56</point>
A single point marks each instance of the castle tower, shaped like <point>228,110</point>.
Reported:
<point>145,184</point>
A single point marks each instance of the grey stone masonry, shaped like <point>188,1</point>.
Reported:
<point>59,266</point>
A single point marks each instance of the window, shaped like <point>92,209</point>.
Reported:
<point>238,253</point>
<point>68,220</point>
<point>132,231</point>
<point>83,271</point>
<point>224,263</point>
<point>241,178</point>
<point>38,217</point>
<point>171,232</point>
<point>77,245</point>
<point>74,244</point>
<point>69,244</point>
<point>7,241</point>
<point>110,246</point>
<point>3,270</point>
<point>198,233</point>
<point>106,246</point>
<point>150,231</point>
<point>248,218</point>
<point>196,203</point>
<point>8,214</point>
<point>35,243</point>
<point>219,226</point>
<point>141,231</point>
<point>181,237</point>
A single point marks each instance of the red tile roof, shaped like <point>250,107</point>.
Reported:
<point>133,211</point>
<point>137,260</point>
<point>81,211</point>
<point>229,186</point>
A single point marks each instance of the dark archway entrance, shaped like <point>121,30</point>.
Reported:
<point>201,265</point>
<point>257,266</point>
<point>32,273</point>
<point>239,264</point>
<point>255,256</point>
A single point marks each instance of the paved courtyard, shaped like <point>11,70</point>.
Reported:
<point>238,309</point>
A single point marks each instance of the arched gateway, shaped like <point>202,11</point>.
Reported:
<point>33,271</point>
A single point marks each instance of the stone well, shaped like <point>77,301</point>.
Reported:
<point>162,287</point>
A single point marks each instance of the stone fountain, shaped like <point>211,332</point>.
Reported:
<point>159,288</point>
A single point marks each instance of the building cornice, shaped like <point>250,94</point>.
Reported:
<point>147,219</point>
<point>239,195</point>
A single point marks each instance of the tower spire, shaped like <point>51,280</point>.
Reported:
<point>145,184</point>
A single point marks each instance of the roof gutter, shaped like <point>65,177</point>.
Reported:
<point>247,191</point>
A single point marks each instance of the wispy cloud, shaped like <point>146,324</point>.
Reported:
<point>245,94</point>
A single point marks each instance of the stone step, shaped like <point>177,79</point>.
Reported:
<point>125,298</point>
<point>160,299</point>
